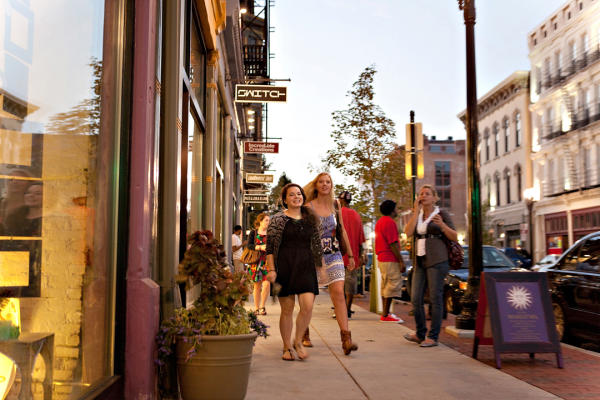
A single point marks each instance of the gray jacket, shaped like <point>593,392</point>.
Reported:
<point>435,248</point>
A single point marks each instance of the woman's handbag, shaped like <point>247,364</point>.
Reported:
<point>250,256</point>
<point>456,255</point>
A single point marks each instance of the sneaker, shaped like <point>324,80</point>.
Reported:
<point>390,318</point>
<point>400,320</point>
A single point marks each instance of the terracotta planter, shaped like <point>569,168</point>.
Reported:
<point>219,370</point>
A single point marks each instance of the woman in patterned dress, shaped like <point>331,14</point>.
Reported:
<point>258,271</point>
<point>319,193</point>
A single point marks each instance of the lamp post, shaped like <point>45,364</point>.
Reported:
<point>466,320</point>
<point>531,195</point>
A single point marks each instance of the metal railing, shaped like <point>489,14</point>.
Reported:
<point>559,75</point>
<point>581,119</point>
<point>255,60</point>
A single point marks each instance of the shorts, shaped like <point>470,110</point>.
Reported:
<point>351,281</point>
<point>391,279</point>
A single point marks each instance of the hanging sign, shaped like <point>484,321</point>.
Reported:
<point>260,94</point>
<point>519,309</point>
<point>261,147</point>
<point>259,178</point>
<point>256,198</point>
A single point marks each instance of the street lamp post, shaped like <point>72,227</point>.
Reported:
<point>531,195</point>
<point>466,320</point>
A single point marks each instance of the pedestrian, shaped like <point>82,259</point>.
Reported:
<point>26,220</point>
<point>431,225</point>
<point>389,259</point>
<point>356,235</point>
<point>293,254</point>
<point>320,198</point>
<point>257,240</point>
<point>237,248</point>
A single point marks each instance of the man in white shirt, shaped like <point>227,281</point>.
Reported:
<point>237,247</point>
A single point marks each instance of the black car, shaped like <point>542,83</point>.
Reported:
<point>519,256</point>
<point>575,289</point>
<point>456,282</point>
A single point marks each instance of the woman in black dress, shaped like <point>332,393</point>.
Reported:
<point>293,252</point>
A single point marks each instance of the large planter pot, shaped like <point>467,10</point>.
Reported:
<point>219,370</point>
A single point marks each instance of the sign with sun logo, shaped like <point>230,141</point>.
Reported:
<point>520,311</point>
<point>519,297</point>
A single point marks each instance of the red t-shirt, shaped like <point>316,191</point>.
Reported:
<point>354,230</point>
<point>386,233</point>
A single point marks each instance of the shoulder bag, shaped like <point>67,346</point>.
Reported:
<point>250,255</point>
<point>456,255</point>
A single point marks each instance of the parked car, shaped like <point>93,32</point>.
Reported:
<point>407,261</point>
<point>545,263</point>
<point>520,257</point>
<point>575,289</point>
<point>455,286</point>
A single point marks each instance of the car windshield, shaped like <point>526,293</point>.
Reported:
<point>492,258</point>
<point>549,259</point>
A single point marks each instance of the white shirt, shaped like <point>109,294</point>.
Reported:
<point>422,229</point>
<point>237,241</point>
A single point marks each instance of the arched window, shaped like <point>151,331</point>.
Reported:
<point>507,183</point>
<point>518,129</point>
<point>488,189</point>
<point>496,133</point>
<point>505,127</point>
<point>519,182</point>
<point>497,187</point>
<point>486,137</point>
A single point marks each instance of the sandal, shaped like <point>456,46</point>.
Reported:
<point>290,355</point>
<point>261,311</point>
<point>411,337</point>
<point>301,351</point>
<point>429,343</point>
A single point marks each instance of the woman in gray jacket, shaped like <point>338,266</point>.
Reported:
<point>431,226</point>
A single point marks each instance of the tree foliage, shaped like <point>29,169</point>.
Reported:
<point>365,150</point>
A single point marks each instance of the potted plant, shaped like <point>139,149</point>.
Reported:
<point>212,340</point>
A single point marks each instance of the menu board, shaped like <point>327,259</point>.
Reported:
<point>519,309</point>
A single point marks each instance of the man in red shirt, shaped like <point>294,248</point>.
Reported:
<point>389,259</point>
<point>356,236</point>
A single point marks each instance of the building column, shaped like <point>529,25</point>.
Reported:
<point>143,294</point>
<point>228,167</point>
<point>570,227</point>
<point>210,142</point>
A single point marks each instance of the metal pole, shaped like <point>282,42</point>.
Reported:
<point>530,210</point>
<point>413,161</point>
<point>466,320</point>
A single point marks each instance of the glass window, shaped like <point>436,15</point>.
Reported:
<point>589,256</point>
<point>507,182</point>
<point>518,129</point>
<point>197,72</point>
<point>569,261</point>
<point>506,126</point>
<point>496,134</point>
<point>497,187</point>
<point>51,65</point>
<point>442,182</point>
<point>519,183</point>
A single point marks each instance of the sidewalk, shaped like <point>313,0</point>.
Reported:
<point>385,366</point>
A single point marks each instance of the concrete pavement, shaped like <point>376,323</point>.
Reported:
<point>386,366</point>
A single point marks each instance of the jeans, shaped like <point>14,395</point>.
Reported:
<point>434,276</point>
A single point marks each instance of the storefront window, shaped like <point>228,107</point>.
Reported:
<point>50,88</point>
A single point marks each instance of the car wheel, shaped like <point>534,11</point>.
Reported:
<point>559,320</point>
<point>449,302</point>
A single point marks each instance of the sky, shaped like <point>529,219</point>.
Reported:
<point>418,49</point>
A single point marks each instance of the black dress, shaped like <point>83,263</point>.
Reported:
<point>295,266</point>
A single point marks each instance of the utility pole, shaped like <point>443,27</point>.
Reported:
<point>466,320</point>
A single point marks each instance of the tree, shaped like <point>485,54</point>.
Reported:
<point>364,149</point>
<point>276,192</point>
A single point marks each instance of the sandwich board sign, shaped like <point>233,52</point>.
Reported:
<point>518,307</point>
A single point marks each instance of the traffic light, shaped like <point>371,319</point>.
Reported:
<point>418,149</point>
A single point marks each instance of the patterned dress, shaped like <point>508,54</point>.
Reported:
<point>258,271</point>
<point>334,263</point>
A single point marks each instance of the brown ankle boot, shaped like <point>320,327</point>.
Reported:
<point>306,339</point>
<point>347,344</point>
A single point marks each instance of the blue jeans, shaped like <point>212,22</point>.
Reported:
<point>434,276</point>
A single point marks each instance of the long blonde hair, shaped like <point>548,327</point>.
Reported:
<point>311,188</point>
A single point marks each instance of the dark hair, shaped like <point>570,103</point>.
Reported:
<point>305,211</point>
<point>346,196</point>
<point>237,228</point>
<point>259,219</point>
<point>387,207</point>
